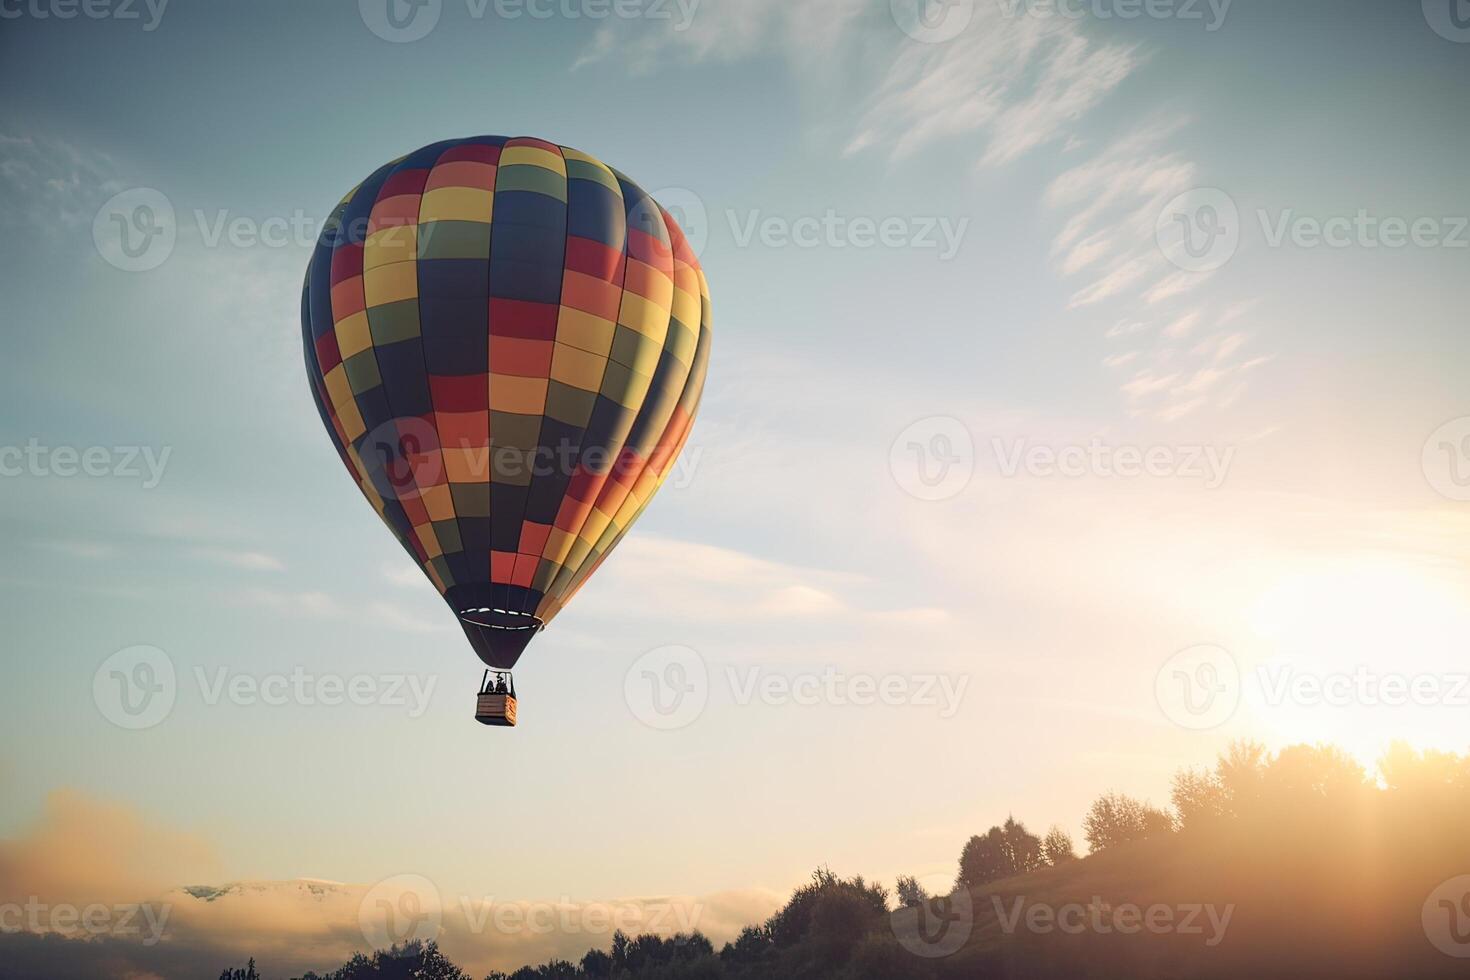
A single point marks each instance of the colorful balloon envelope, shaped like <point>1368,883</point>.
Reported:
<point>507,341</point>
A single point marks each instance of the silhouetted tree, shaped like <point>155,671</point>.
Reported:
<point>555,970</point>
<point>1249,783</point>
<point>1431,790</point>
<point>880,958</point>
<point>1003,851</point>
<point>752,947</point>
<point>981,859</point>
<point>1023,849</point>
<point>248,973</point>
<point>1240,771</point>
<point>1419,773</point>
<point>403,961</point>
<point>1199,798</point>
<point>911,894</point>
<point>1117,819</point>
<point>1308,774</point>
<point>692,946</point>
<point>1056,847</point>
<point>795,922</point>
<point>597,964</point>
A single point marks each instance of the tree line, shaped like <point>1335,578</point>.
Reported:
<point>835,927</point>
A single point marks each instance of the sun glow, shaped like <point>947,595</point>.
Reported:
<point>1362,651</point>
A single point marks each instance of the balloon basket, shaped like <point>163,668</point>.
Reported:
<point>496,710</point>
<point>496,704</point>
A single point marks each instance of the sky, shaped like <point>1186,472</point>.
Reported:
<point>1087,391</point>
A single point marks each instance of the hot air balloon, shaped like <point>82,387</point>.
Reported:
<point>507,342</point>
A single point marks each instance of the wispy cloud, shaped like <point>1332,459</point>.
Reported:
<point>1183,325</point>
<point>404,574</point>
<point>1219,348</point>
<point>52,186</point>
<point>1008,83</point>
<point>1108,207</point>
<point>79,548</point>
<point>707,582</point>
<point>253,561</point>
<point>1015,82</point>
<point>313,604</point>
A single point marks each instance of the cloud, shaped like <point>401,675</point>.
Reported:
<point>1115,199</point>
<point>1236,311</point>
<point>801,600</point>
<point>148,920</point>
<point>1016,82</point>
<point>1176,410</point>
<point>1146,383</point>
<point>1108,208</point>
<point>1174,284</point>
<point>1125,328</point>
<point>1220,347</point>
<point>254,561</point>
<point>706,582</point>
<point>79,548</point>
<point>1076,76</point>
<point>404,574</point>
<point>52,186</point>
<point>81,850</point>
<point>1183,325</point>
<point>313,604</point>
<point>1118,278</point>
<point>1012,82</point>
<point>1002,88</point>
<point>1201,381</point>
<point>1102,193</point>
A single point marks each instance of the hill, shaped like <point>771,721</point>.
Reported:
<point>1345,901</point>
<point>1294,865</point>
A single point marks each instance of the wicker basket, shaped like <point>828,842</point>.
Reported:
<point>496,709</point>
